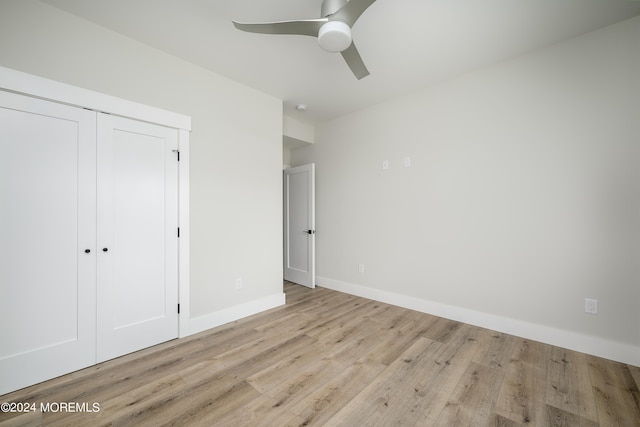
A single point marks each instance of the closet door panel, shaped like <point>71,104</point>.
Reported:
<point>47,221</point>
<point>137,235</point>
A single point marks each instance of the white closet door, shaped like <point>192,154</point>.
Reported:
<point>47,222</point>
<point>137,235</point>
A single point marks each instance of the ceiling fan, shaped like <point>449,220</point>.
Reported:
<point>333,30</point>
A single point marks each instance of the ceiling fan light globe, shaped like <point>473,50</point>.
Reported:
<point>334,36</point>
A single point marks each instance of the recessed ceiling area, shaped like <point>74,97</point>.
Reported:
<point>405,44</point>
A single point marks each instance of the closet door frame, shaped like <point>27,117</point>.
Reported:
<point>39,87</point>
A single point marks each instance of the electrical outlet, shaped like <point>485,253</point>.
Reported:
<point>591,306</point>
<point>360,268</point>
<point>239,283</point>
<point>385,165</point>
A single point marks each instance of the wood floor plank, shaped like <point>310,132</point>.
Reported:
<point>293,323</point>
<point>220,389</point>
<point>414,388</point>
<point>328,358</point>
<point>393,316</point>
<point>325,402</point>
<point>442,330</point>
<point>223,388</point>
<point>568,386</point>
<point>452,361</point>
<point>298,387</point>
<point>196,400</point>
<point>472,401</point>
<point>391,346</point>
<point>271,376</point>
<point>353,340</point>
<point>531,352</point>
<point>522,396</point>
<point>260,412</point>
<point>616,393</point>
<point>251,350</point>
<point>133,407</point>
<point>635,373</point>
<point>331,323</point>
<point>28,419</point>
<point>328,303</point>
<point>207,411</point>
<point>496,349</point>
<point>500,421</point>
<point>384,392</point>
<point>556,417</point>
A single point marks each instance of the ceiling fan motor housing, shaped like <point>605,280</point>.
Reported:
<point>334,36</point>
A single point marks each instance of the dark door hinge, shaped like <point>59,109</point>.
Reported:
<point>178,308</point>
<point>178,153</point>
<point>178,231</point>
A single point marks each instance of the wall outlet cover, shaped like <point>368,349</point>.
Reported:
<point>591,306</point>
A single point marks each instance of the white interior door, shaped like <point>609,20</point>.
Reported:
<point>47,240</point>
<point>299,225</point>
<point>137,235</point>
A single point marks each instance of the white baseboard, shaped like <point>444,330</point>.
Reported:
<point>231,314</point>
<point>595,346</point>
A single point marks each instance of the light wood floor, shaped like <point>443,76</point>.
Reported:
<point>328,358</point>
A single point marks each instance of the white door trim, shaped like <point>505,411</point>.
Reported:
<point>39,87</point>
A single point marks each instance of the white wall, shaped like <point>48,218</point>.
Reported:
<point>522,199</point>
<point>236,199</point>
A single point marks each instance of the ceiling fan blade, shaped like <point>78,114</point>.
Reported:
<point>354,61</point>
<point>351,11</point>
<point>307,27</point>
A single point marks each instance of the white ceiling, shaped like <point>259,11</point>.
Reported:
<point>406,44</point>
